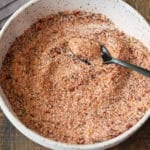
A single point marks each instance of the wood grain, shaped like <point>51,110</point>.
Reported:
<point>11,139</point>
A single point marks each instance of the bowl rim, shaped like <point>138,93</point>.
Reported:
<point>46,142</point>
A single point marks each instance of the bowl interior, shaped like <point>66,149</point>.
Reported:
<point>125,18</point>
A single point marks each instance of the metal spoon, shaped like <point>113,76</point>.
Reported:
<point>108,59</point>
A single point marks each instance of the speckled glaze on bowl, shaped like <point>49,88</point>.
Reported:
<point>125,18</point>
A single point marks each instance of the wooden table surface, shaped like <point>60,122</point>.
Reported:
<point>11,139</point>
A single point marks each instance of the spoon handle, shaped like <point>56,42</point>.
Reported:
<point>143,71</point>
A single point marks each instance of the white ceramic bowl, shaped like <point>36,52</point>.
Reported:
<point>125,17</point>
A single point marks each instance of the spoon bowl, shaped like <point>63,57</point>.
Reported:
<point>108,59</point>
<point>106,56</point>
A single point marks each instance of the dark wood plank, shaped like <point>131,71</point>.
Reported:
<point>139,141</point>
<point>11,139</point>
<point>143,6</point>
